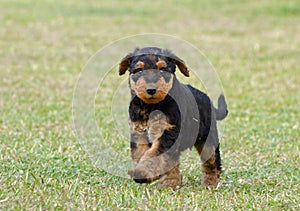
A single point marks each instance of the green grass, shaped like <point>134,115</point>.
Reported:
<point>254,46</point>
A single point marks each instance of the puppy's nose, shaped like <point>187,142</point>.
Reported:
<point>151,90</point>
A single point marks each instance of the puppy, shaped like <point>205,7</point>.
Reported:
<point>168,117</point>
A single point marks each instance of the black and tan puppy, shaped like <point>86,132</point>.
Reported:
<point>167,117</point>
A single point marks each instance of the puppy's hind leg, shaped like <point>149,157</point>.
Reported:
<point>211,160</point>
<point>211,165</point>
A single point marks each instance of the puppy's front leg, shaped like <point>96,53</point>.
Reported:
<point>139,142</point>
<point>155,163</point>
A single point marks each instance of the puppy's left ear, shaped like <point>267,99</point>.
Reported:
<point>124,64</point>
<point>179,62</point>
<point>182,66</point>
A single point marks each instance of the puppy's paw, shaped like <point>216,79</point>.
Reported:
<point>170,180</point>
<point>210,180</point>
<point>144,172</point>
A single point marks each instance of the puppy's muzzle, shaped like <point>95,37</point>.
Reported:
<point>151,90</point>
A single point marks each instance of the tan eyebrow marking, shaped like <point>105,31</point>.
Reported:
<point>139,65</point>
<point>161,64</point>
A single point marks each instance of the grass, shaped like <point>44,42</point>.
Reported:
<point>254,46</point>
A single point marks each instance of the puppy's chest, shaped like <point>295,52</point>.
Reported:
<point>139,123</point>
<point>140,129</point>
<point>150,125</point>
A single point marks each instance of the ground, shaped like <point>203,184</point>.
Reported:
<point>254,47</point>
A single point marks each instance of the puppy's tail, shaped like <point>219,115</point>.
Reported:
<point>222,111</point>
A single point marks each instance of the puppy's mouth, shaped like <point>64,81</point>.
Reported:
<point>152,98</point>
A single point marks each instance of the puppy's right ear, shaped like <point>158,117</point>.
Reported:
<point>124,64</point>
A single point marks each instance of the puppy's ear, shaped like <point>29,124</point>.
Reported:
<point>182,66</point>
<point>124,64</point>
<point>179,62</point>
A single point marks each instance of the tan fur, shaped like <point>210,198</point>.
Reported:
<point>210,173</point>
<point>157,124</point>
<point>151,165</point>
<point>171,179</point>
<point>139,65</point>
<point>140,86</point>
<point>138,130</point>
<point>161,64</point>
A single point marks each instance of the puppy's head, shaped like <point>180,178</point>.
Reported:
<point>151,72</point>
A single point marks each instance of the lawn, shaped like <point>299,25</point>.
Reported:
<point>45,45</point>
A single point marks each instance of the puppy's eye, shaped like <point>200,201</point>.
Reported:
<point>138,70</point>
